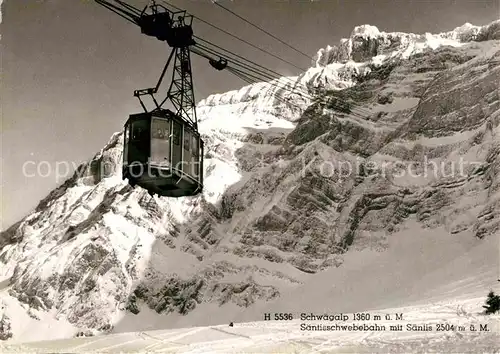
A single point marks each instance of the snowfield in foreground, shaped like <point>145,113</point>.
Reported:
<point>453,326</point>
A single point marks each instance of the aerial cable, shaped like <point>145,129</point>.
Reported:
<point>275,95</point>
<point>235,55</point>
<point>237,62</point>
<point>240,39</point>
<point>264,76</point>
<point>262,30</point>
<point>131,17</point>
<point>199,51</point>
<point>255,75</point>
<point>252,79</point>
<point>268,75</point>
<point>299,91</point>
<point>279,95</point>
<point>129,7</point>
<point>278,75</point>
<point>243,77</point>
<point>247,77</point>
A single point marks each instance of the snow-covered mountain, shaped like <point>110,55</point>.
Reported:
<point>347,186</point>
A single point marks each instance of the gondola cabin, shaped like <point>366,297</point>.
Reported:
<point>163,154</point>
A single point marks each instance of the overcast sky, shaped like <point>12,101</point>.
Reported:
<point>70,67</point>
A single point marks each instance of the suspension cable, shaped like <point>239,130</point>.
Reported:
<point>257,75</point>
<point>262,30</point>
<point>240,39</point>
<point>237,56</point>
<point>264,75</point>
<point>237,62</point>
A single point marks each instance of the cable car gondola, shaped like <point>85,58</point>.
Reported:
<point>163,154</point>
<point>163,150</point>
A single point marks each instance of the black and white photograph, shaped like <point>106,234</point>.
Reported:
<point>250,176</point>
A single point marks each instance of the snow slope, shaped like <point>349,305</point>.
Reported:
<point>281,227</point>
<point>452,325</point>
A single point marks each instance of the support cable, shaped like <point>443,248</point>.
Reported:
<point>262,30</point>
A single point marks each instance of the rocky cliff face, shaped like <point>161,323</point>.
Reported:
<point>376,135</point>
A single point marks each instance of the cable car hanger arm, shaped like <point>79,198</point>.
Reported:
<point>219,64</point>
<point>152,91</point>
